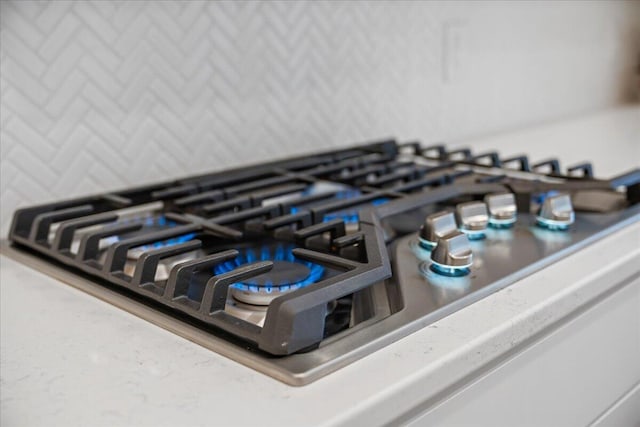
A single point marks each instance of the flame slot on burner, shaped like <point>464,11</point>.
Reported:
<point>288,274</point>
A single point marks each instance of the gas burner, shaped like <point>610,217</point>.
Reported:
<point>156,223</point>
<point>377,275</point>
<point>153,223</point>
<point>351,216</point>
<point>288,274</point>
<point>150,221</point>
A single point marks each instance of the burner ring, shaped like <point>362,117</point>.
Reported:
<point>287,274</point>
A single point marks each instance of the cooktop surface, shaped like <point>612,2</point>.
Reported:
<point>298,267</point>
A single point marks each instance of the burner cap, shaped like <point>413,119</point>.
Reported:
<point>287,274</point>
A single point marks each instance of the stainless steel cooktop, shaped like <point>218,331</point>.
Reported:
<point>301,266</point>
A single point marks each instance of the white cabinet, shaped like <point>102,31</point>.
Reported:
<point>585,371</point>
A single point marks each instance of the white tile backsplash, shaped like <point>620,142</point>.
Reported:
<point>101,95</point>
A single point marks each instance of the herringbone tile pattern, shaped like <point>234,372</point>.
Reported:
<point>100,95</point>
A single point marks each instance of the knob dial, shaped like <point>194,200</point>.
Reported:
<point>452,255</point>
<point>473,218</point>
<point>436,226</point>
<point>503,211</point>
<point>556,212</point>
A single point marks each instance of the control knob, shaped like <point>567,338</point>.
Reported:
<point>503,211</point>
<point>435,226</point>
<point>473,219</point>
<point>556,212</point>
<point>452,255</point>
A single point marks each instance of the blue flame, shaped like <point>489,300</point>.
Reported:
<point>267,253</point>
<point>347,194</point>
<point>162,222</point>
<point>379,201</point>
<point>170,242</point>
<point>350,216</point>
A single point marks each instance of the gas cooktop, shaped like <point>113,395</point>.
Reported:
<point>301,266</point>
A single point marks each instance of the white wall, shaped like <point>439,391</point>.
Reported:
<point>97,96</point>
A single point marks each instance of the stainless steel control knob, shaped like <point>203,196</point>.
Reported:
<point>473,219</point>
<point>556,212</point>
<point>452,255</point>
<point>436,226</point>
<point>503,211</point>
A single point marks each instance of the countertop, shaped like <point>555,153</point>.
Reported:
<point>70,359</point>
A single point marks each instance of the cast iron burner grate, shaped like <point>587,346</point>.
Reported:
<point>331,221</point>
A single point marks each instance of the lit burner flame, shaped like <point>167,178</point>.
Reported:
<point>350,215</point>
<point>280,255</point>
<point>157,223</point>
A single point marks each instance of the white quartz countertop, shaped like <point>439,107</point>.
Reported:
<point>70,359</point>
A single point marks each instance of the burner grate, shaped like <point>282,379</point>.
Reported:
<point>324,212</point>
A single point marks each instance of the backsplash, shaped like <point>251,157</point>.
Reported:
<point>102,95</point>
